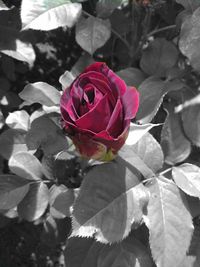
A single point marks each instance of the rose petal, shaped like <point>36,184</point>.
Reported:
<point>97,66</point>
<point>115,125</point>
<point>102,84</point>
<point>130,102</point>
<point>116,82</point>
<point>68,110</point>
<point>97,118</point>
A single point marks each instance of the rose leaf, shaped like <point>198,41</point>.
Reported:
<point>92,33</point>
<point>26,165</point>
<point>45,133</point>
<point>19,119</point>
<point>152,91</point>
<point>158,57</point>
<point>132,76</point>
<point>42,93</point>
<point>169,222</point>
<point>84,252</point>
<point>146,155</point>
<point>190,38</point>
<point>191,123</point>
<point>186,176</point>
<point>12,190</point>
<point>61,200</point>
<point>110,201</point>
<point>11,142</point>
<point>47,14</point>
<point>175,145</point>
<point>35,202</point>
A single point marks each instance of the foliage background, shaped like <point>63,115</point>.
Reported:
<point>153,45</point>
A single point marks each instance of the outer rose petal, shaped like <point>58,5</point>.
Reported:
<point>89,148</point>
<point>130,102</point>
<point>97,66</point>
<point>112,143</point>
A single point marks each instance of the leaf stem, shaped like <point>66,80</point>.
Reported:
<point>165,171</point>
<point>160,30</point>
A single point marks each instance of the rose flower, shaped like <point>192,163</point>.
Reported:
<point>97,110</point>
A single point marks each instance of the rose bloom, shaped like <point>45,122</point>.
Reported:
<point>97,110</point>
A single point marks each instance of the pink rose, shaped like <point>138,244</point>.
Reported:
<point>97,110</point>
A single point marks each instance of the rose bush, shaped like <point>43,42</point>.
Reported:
<point>96,112</point>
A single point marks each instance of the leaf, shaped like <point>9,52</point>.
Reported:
<point>61,200</point>
<point>82,252</point>
<point>105,8</point>
<point>66,79</point>
<point>26,165</point>
<point>35,202</point>
<point>42,93</point>
<point>11,142</point>
<point>111,199</point>
<point>175,145</point>
<point>150,151</point>
<point>92,33</point>
<point>45,133</point>
<point>127,153</point>
<point>132,76</point>
<point>137,131</point>
<point>21,51</point>
<point>191,123</point>
<point>18,120</point>
<point>190,5</point>
<point>169,223</point>
<point>3,6</point>
<point>12,190</point>
<point>186,176</point>
<point>190,38</point>
<point>49,14</point>
<point>151,93</point>
<point>158,57</point>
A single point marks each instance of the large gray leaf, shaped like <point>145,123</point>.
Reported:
<point>12,190</point>
<point>175,145</point>
<point>189,43</point>
<point>42,93</point>
<point>151,96</point>
<point>186,176</point>
<point>191,123</point>
<point>169,222</point>
<point>49,14</point>
<point>111,199</point>
<point>158,57</point>
<point>92,33</point>
<point>35,202</point>
<point>132,76</point>
<point>11,142</point>
<point>82,252</point>
<point>26,165</point>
